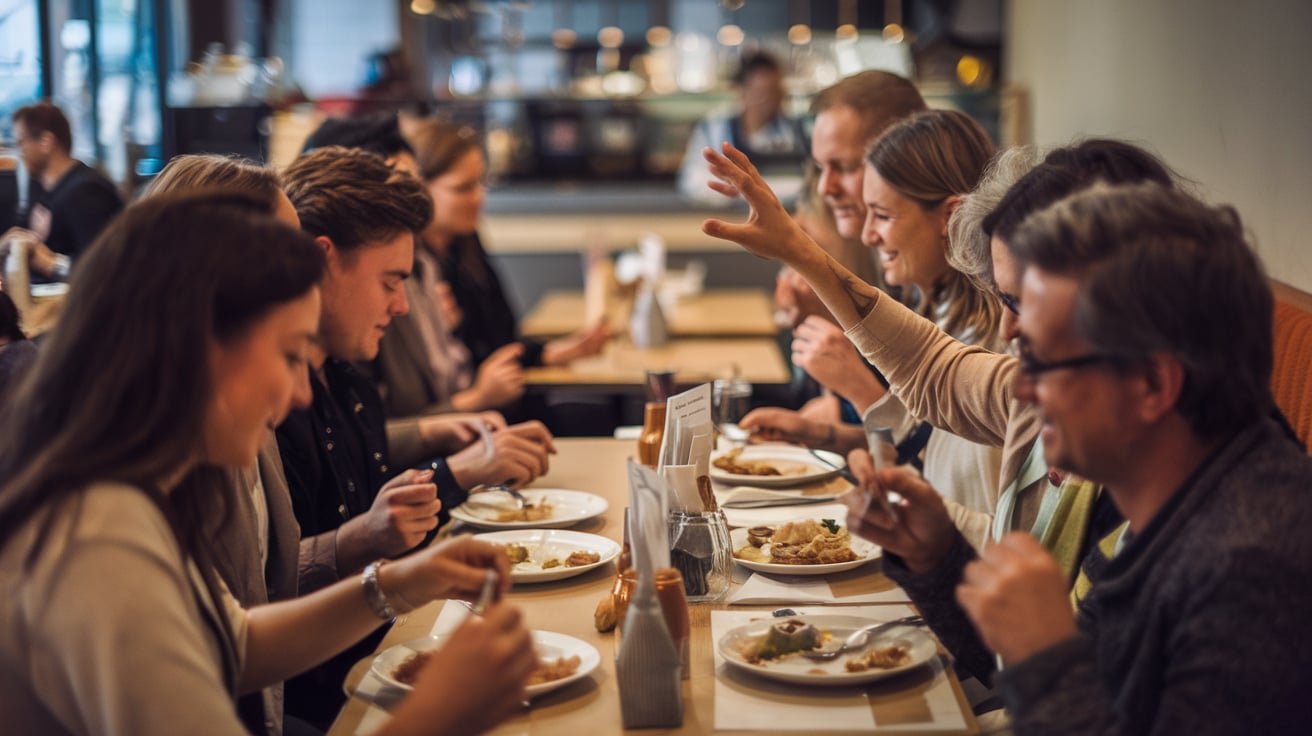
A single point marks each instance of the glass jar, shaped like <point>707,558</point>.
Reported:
<point>700,549</point>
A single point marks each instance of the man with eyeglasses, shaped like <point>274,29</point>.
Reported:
<point>1165,399</point>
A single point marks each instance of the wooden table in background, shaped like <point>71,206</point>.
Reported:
<point>714,313</point>
<point>621,367</point>
<point>592,705</point>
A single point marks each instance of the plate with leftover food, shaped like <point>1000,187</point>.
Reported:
<point>544,508</point>
<point>773,648</point>
<point>543,555</point>
<point>810,547</point>
<point>562,659</point>
<point>774,466</point>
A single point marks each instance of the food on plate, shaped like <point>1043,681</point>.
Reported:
<point>520,555</point>
<point>807,542</point>
<point>880,658</point>
<point>517,552</point>
<point>732,462</point>
<point>549,671</point>
<point>581,557</point>
<point>758,536</point>
<point>539,511</point>
<point>783,638</point>
<point>408,671</point>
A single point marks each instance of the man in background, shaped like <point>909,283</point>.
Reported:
<point>757,126</point>
<point>69,203</point>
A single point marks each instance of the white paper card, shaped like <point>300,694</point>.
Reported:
<point>775,515</point>
<point>685,414</point>
<point>774,590</point>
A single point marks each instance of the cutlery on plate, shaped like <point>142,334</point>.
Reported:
<point>520,501</point>
<point>860,638</point>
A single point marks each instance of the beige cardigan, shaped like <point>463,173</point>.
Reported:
<point>967,390</point>
<point>110,632</point>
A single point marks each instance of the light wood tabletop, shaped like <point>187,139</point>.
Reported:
<point>621,367</point>
<point>592,705</point>
<point>712,313</point>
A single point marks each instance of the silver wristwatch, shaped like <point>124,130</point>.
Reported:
<point>373,592</point>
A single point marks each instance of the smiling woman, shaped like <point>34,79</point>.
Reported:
<point>111,471</point>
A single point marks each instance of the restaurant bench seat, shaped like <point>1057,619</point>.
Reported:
<point>1291,377</point>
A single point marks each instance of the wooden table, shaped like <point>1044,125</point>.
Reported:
<point>621,367</point>
<point>715,313</point>
<point>592,704</point>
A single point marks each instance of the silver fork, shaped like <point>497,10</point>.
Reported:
<point>860,638</point>
<point>520,501</point>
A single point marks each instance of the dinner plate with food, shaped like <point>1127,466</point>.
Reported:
<point>775,648</point>
<point>810,547</point>
<point>774,466</point>
<point>543,508</point>
<point>544,555</point>
<point>562,659</point>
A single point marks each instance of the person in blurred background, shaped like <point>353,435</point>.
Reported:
<point>69,203</point>
<point>17,353</point>
<point>758,125</point>
<point>458,278</point>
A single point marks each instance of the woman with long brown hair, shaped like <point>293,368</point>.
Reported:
<point>177,354</point>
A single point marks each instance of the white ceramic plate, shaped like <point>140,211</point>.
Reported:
<point>801,467</point>
<point>546,544</point>
<point>549,646</point>
<point>568,508</point>
<point>865,552</point>
<point>802,671</point>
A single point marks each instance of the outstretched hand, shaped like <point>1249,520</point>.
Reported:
<point>770,231</point>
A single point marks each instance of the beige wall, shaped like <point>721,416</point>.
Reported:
<point>1222,89</point>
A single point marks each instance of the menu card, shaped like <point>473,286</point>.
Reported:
<point>686,415</point>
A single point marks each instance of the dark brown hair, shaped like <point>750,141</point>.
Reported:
<point>440,144</point>
<point>44,117</point>
<point>1162,273</point>
<point>195,172</point>
<point>879,98</point>
<point>354,198</point>
<point>927,158</point>
<point>119,392</point>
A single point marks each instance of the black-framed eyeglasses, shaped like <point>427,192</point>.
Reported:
<point>1031,366</point>
<point>1010,301</point>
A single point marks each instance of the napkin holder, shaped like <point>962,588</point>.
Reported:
<point>648,667</point>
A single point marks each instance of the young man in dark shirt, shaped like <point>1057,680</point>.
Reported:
<point>69,203</point>
<point>339,453</point>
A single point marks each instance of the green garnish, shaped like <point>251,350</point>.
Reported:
<point>831,525</point>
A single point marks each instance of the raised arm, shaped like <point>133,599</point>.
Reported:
<point>770,232</point>
<point>965,390</point>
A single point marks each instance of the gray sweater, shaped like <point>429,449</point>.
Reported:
<point>1200,624</point>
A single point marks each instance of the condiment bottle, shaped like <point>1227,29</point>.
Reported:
<point>674,605</point>
<point>653,432</point>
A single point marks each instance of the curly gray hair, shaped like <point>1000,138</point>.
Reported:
<point>968,245</point>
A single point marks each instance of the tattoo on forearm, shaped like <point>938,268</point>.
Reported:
<point>858,291</point>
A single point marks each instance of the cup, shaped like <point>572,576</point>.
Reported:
<point>731,399</point>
